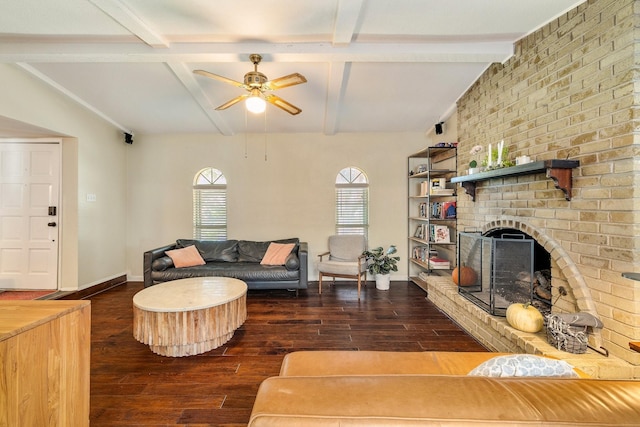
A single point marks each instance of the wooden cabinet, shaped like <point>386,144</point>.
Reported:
<point>432,212</point>
<point>44,363</point>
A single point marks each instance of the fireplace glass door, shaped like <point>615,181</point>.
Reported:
<point>495,272</point>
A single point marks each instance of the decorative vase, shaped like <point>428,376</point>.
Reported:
<point>474,170</point>
<point>382,281</point>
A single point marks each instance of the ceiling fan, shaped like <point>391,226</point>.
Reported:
<point>258,86</point>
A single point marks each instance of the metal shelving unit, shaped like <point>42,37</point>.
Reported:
<point>429,173</point>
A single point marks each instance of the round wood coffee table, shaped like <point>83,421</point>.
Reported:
<point>189,316</point>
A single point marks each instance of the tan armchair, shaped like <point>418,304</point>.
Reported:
<point>344,259</point>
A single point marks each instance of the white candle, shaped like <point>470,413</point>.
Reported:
<point>500,145</point>
<point>490,156</point>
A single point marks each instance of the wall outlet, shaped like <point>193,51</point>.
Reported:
<point>91,197</point>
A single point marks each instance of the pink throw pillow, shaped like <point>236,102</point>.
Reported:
<point>277,253</point>
<point>185,257</point>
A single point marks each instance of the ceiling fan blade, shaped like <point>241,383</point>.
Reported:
<point>220,78</point>
<point>281,103</point>
<point>232,102</point>
<point>285,81</point>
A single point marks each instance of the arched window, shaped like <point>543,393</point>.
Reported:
<point>210,205</point>
<point>352,202</point>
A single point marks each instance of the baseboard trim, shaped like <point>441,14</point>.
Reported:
<point>95,289</point>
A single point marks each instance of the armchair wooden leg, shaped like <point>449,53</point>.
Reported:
<point>359,280</point>
<point>320,283</point>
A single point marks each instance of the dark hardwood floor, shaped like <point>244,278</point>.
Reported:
<point>130,386</point>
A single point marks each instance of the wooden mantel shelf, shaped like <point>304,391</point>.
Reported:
<point>560,171</point>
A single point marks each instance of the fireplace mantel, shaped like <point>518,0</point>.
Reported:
<point>560,171</point>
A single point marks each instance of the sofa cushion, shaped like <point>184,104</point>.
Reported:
<point>251,251</point>
<point>245,271</point>
<point>162,263</point>
<point>213,250</point>
<point>292,263</point>
<point>524,365</point>
<point>277,253</point>
<point>185,257</point>
<point>444,400</point>
<point>363,362</point>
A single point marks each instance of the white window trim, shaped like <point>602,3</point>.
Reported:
<point>215,195</point>
<point>347,222</point>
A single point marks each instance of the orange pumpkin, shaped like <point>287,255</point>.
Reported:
<point>466,274</point>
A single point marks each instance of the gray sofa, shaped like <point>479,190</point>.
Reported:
<point>239,259</point>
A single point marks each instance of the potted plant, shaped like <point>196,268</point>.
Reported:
<point>473,164</point>
<point>381,263</point>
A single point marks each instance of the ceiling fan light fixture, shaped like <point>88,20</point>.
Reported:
<point>255,103</point>
<point>256,84</point>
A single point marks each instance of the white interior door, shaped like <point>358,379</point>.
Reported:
<point>29,195</point>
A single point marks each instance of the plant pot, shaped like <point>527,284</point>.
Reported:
<point>474,170</point>
<point>382,281</point>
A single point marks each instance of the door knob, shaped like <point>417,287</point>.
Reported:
<point>52,224</point>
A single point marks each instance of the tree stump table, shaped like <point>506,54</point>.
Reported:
<point>189,316</point>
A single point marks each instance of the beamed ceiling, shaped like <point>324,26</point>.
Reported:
<point>370,65</point>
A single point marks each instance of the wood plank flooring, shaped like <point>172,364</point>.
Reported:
<point>130,386</point>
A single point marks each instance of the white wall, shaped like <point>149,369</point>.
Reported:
<point>93,161</point>
<point>290,194</point>
<point>143,191</point>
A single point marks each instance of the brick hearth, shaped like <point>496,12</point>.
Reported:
<point>495,333</point>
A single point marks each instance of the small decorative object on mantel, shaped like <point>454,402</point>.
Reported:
<point>473,164</point>
<point>497,158</point>
<point>446,145</point>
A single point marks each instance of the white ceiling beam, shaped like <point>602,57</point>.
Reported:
<point>347,14</point>
<point>338,73</point>
<point>28,68</point>
<point>185,75</point>
<point>120,13</point>
<point>488,51</point>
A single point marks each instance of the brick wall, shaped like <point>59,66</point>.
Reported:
<point>569,92</point>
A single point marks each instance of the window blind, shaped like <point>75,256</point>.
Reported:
<point>352,209</point>
<point>210,212</point>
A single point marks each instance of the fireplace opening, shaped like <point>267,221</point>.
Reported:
<point>502,267</point>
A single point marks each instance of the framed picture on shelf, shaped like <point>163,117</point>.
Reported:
<point>418,233</point>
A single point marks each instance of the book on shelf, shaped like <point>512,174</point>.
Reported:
<point>424,188</point>
<point>436,210</point>
<point>443,210</point>
<point>440,234</point>
<point>423,275</point>
<point>422,210</point>
<point>421,253</point>
<point>442,192</point>
<point>436,263</point>
<point>438,184</point>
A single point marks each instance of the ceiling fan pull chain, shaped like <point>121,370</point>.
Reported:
<point>246,130</point>
<point>265,136</point>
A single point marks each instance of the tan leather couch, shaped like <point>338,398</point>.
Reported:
<point>361,388</point>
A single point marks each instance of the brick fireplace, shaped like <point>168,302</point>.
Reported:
<point>567,93</point>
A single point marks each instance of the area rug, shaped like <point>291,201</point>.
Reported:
<point>23,295</point>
